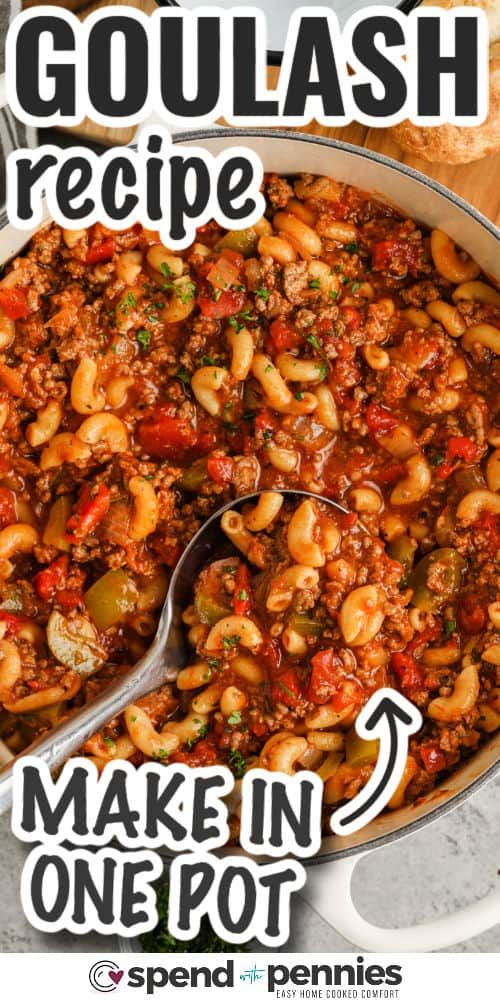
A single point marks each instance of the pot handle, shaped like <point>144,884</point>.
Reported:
<point>329,894</point>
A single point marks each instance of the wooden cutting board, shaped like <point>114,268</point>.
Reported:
<point>477,183</point>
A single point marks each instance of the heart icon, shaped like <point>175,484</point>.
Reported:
<point>116,977</point>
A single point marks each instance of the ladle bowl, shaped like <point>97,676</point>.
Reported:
<point>159,665</point>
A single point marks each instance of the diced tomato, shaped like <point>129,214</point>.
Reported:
<point>471,616</point>
<point>391,473</point>
<point>351,316</point>
<point>347,521</point>
<point>379,420</point>
<point>164,435</point>
<point>51,579</point>
<point>326,675</point>
<point>7,507</point>
<point>12,622</point>
<point>284,336</point>
<point>407,670</point>
<point>287,688</point>
<point>264,421</point>
<point>456,448</point>
<point>433,757</point>
<point>93,504</point>
<point>98,253</point>
<point>461,447</point>
<point>242,598</point>
<point>228,304</point>
<point>350,694</point>
<point>257,727</point>
<point>220,469</point>
<point>14,302</point>
<point>68,600</point>
<point>393,251</point>
<point>203,753</point>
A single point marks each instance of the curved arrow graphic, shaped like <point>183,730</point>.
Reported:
<point>389,717</point>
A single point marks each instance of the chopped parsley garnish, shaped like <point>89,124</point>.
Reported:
<point>160,754</point>
<point>237,763</point>
<point>165,270</point>
<point>230,641</point>
<point>229,569</point>
<point>108,741</point>
<point>267,434</point>
<point>234,719</point>
<point>207,360</point>
<point>128,303</point>
<point>314,342</point>
<point>450,626</point>
<point>185,292</point>
<point>184,375</point>
<point>352,247</point>
<point>334,295</point>
<point>436,459</point>
<point>299,396</point>
<point>214,662</point>
<point>262,293</point>
<point>287,689</point>
<point>143,337</point>
<point>315,283</point>
<point>242,595</point>
<point>356,285</point>
<point>323,371</point>
<point>161,940</point>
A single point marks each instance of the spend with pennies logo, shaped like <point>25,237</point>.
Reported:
<point>105,976</point>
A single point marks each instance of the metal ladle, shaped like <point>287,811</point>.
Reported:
<point>159,665</point>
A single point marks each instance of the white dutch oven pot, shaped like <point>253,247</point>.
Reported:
<point>328,889</point>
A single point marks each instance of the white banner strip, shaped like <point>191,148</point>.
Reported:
<point>284,976</point>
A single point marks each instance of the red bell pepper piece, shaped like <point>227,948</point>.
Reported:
<point>164,435</point>
<point>92,506</point>
<point>220,469</point>
<point>379,420</point>
<point>98,253</point>
<point>287,688</point>
<point>326,675</point>
<point>242,598</point>
<point>433,757</point>
<point>461,448</point>
<point>14,302</point>
<point>48,581</point>
<point>227,304</point>
<point>271,654</point>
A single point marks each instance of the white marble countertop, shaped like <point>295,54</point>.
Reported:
<point>452,862</point>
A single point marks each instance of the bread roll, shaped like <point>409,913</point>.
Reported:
<point>455,143</point>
